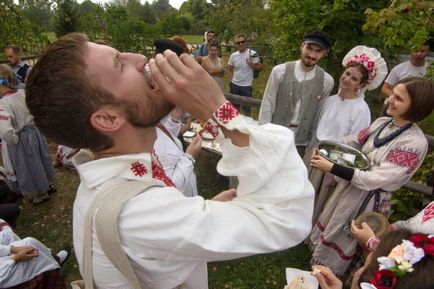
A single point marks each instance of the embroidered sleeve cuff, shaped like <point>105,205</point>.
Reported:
<point>342,172</point>
<point>224,116</point>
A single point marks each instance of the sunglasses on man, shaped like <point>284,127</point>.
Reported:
<point>240,42</point>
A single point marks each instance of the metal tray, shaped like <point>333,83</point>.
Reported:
<point>360,158</point>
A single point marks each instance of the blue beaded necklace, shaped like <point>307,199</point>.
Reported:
<point>379,142</point>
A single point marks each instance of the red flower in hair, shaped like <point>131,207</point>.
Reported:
<point>363,57</point>
<point>424,242</point>
<point>370,65</point>
<point>384,279</point>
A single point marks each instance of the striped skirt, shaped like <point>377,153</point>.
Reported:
<point>31,160</point>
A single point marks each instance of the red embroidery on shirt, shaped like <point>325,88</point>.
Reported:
<point>4,117</point>
<point>159,173</point>
<point>363,136</point>
<point>428,213</point>
<point>226,112</point>
<point>138,169</point>
<point>403,158</point>
<point>336,248</point>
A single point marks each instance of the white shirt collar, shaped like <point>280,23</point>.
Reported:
<point>95,172</point>
<point>302,75</point>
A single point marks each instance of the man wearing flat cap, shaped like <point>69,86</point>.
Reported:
<point>295,89</point>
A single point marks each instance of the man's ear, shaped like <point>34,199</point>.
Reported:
<point>107,120</point>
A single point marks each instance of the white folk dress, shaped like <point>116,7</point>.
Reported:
<point>391,166</point>
<point>27,148</point>
<point>12,273</point>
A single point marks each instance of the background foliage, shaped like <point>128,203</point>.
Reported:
<point>18,26</point>
<point>274,27</point>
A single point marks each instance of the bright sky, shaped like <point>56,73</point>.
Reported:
<point>175,3</point>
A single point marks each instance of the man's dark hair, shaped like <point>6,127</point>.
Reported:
<point>61,96</point>
<point>15,48</point>
<point>214,44</point>
<point>421,92</point>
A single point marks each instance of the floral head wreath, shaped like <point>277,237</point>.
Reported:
<point>372,61</point>
<point>400,261</point>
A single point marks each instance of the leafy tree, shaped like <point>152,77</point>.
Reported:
<point>91,19</point>
<point>128,33</point>
<point>16,29</point>
<point>230,18</point>
<point>403,25</point>
<point>162,8</point>
<point>37,12</point>
<point>161,5</point>
<point>197,12</point>
<point>66,19</point>
<point>173,23</point>
<point>199,9</point>
<point>134,8</point>
<point>148,14</point>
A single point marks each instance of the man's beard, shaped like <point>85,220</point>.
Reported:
<point>308,62</point>
<point>148,117</point>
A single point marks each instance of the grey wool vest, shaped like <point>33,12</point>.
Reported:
<point>290,91</point>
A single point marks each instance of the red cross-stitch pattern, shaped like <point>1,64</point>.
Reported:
<point>363,136</point>
<point>4,117</point>
<point>158,172</point>
<point>138,169</point>
<point>404,159</point>
<point>212,129</point>
<point>226,112</point>
<point>428,213</point>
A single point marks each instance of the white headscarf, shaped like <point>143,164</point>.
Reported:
<point>371,59</point>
